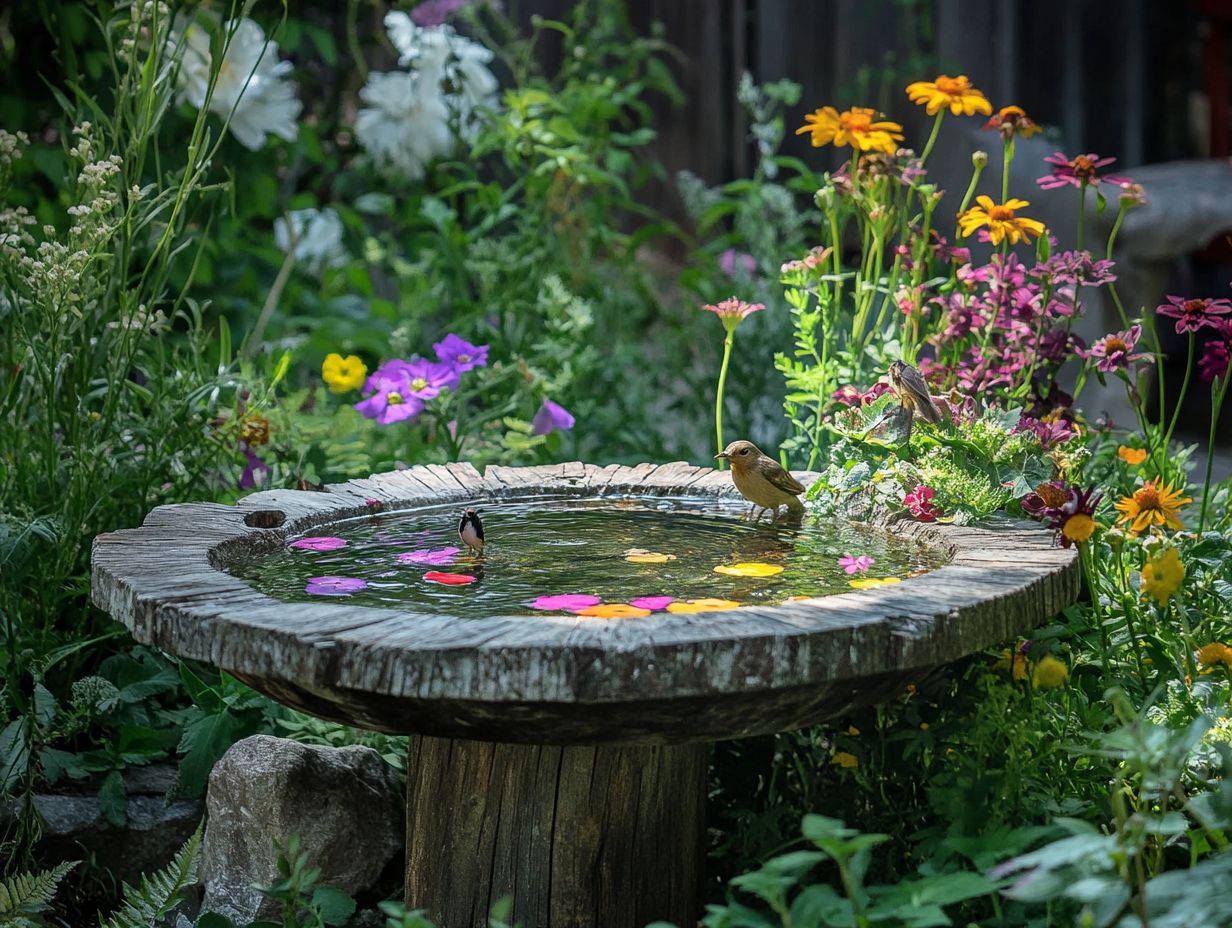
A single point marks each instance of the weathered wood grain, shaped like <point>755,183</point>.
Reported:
<point>577,836</point>
<point>667,678</point>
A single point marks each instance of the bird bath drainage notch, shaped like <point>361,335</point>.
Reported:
<point>560,759</point>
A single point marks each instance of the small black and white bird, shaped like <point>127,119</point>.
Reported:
<point>470,530</point>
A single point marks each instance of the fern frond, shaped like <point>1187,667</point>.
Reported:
<point>159,893</point>
<point>28,894</point>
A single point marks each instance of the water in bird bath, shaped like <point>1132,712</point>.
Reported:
<point>613,557</point>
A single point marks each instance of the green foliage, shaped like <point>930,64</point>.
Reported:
<point>148,905</point>
<point>25,896</point>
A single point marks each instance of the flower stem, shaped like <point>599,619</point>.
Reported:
<point>1087,563</point>
<point>932,137</point>
<point>1219,392</point>
<point>1082,213</point>
<point>966,200</point>
<point>1176,411</point>
<point>718,399</point>
<point>1006,161</point>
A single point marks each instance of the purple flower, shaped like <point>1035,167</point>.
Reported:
<point>1191,315</point>
<point>565,601</point>
<point>334,586</point>
<point>1049,432</point>
<point>1214,361</point>
<point>549,418</point>
<point>434,12</point>
<point>255,473</point>
<point>319,543</point>
<point>1079,170</point>
<point>435,558</point>
<point>731,258</point>
<point>653,603</point>
<point>391,400</point>
<point>1115,352</point>
<point>855,565</point>
<point>461,354</point>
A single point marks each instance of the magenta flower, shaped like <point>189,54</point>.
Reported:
<point>255,472</point>
<point>1049,432</point>
<point>732,312</point>
<point>1115,352</point>
<point>1214,361</point>
<point>434,12</point>
<point>429,556</point>
<point>334,586</point>
<point>918,502</point>
<point>391,400</point>
<point>372,503</point>
<point>549,418</point>
<point>565,601</point>
<point>653,603</point>
<point>730,259</point>
<point>1079,170</point>
<point>461,354</point>
<point>855,565</point>
<point>426,379</point>
<point>319,543</point>
<point>1191,315</point>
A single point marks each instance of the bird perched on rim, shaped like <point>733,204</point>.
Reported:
<point>470,530</point>
<point>913,392</point>
<point>760,478</point>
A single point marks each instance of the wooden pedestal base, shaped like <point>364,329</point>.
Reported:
<point>579,837</point>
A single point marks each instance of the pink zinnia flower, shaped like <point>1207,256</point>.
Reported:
<point>855,565</point>
<point>731,259</point>
<point>918,501</point>
<point>1191,315</point>
<point>1049,432</point>
<point>1079,170</point>
<point>1214,361</point>
<point>733,311</point>
<point>1115,352</point>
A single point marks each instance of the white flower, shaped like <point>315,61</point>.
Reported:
<point>457,63</point>
<point>318,238</point>
<point>406,123</point>
<point>251,81</point>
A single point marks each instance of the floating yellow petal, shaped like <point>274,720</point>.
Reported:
<point>749,569</point>
<point>642,556</point>
<point>867,583</point>
<point>613,611</point>
<point>703,605</point>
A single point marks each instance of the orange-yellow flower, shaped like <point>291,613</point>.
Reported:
<point>1014,663</point>
<point>854,127</point>
<point>956,93</point>
<point>1151,506</point>
<point>1049,673</point>
<point>1214,653</point>
<point>1131,456</point>
<point>1078,527</point>
<point>1011,121</point>
<point>1001,219</point>
<point>844,759</point>
<point>1162,576</point>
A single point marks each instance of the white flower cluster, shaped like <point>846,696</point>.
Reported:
<point>317,238</point>
<point>253,88</point>
<point>412,116</point>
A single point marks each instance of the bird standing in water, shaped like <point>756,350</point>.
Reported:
<point>912,390</point>
<point>761,479</point>
<point>470,530</point>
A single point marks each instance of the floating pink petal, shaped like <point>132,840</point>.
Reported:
<point>653,603</point>
<point>334,586</point>
<point>436,576</point>
<point>374,503</point>
<point>428,556</point>
<point>319,543</point>
<point>565,601</point>
<point>855,565</point>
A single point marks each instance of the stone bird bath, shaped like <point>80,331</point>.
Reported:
<point>560,760</point>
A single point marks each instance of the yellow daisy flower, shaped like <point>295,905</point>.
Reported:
<point>1001,219</point>
<point>1050,673</point>
<point>956,93</point>
<point>341,374</point>
<point>1162,575</point>
<point>854,127</point>
<point>1152,506</point>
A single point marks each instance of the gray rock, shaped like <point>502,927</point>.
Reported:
<point>345,804</point>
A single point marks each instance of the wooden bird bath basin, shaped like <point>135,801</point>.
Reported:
<point>560,759</point>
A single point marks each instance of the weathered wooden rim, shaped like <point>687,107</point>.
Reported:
<point>162,581</point>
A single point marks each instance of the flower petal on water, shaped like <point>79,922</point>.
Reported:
<point>334,586</point>
<point>703,605</point>
<point>868,583</point>
<point>319,543</point>
<point>613,611</point>
<point>429,556</point>
<point>653,603</point>
<point>642,556</point>
<point>570,601</point>
<point>436,576</point>
<point>749,569</point>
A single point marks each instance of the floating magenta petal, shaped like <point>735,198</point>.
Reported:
<point>570,601</point>
<point>613,611</point>
<point>429,556</point>
<point>749,569</point>
<point>436,576</point>
<point>653,603</point>
<point>868,583</point>
<point>703,605</point>
<point>855,565</point>
<point>334,586</point>
<point>319,543</point>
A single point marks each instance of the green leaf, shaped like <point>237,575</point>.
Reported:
<point>333,905</point>
<point>27,894</point>
<point>206,738</point>
<point>14,753</point>
<point>149,905</point>
<point>113,799</point>
<point>44,706</point>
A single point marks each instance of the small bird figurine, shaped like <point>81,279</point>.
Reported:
<point>909,384</point>
<point>470,530</point>
<point>761,479</point>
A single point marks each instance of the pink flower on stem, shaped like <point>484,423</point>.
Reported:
<point>1191,315</point>
<point>1116,352</point>
<point>858,564</point>
<point>1079,170</point>
<point>732,312</point>
<point>918,502</point>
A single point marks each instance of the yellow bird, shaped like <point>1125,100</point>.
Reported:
<point>912,390</point>
<point>760,478</point>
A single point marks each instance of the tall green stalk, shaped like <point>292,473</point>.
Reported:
<point>718,399</point>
